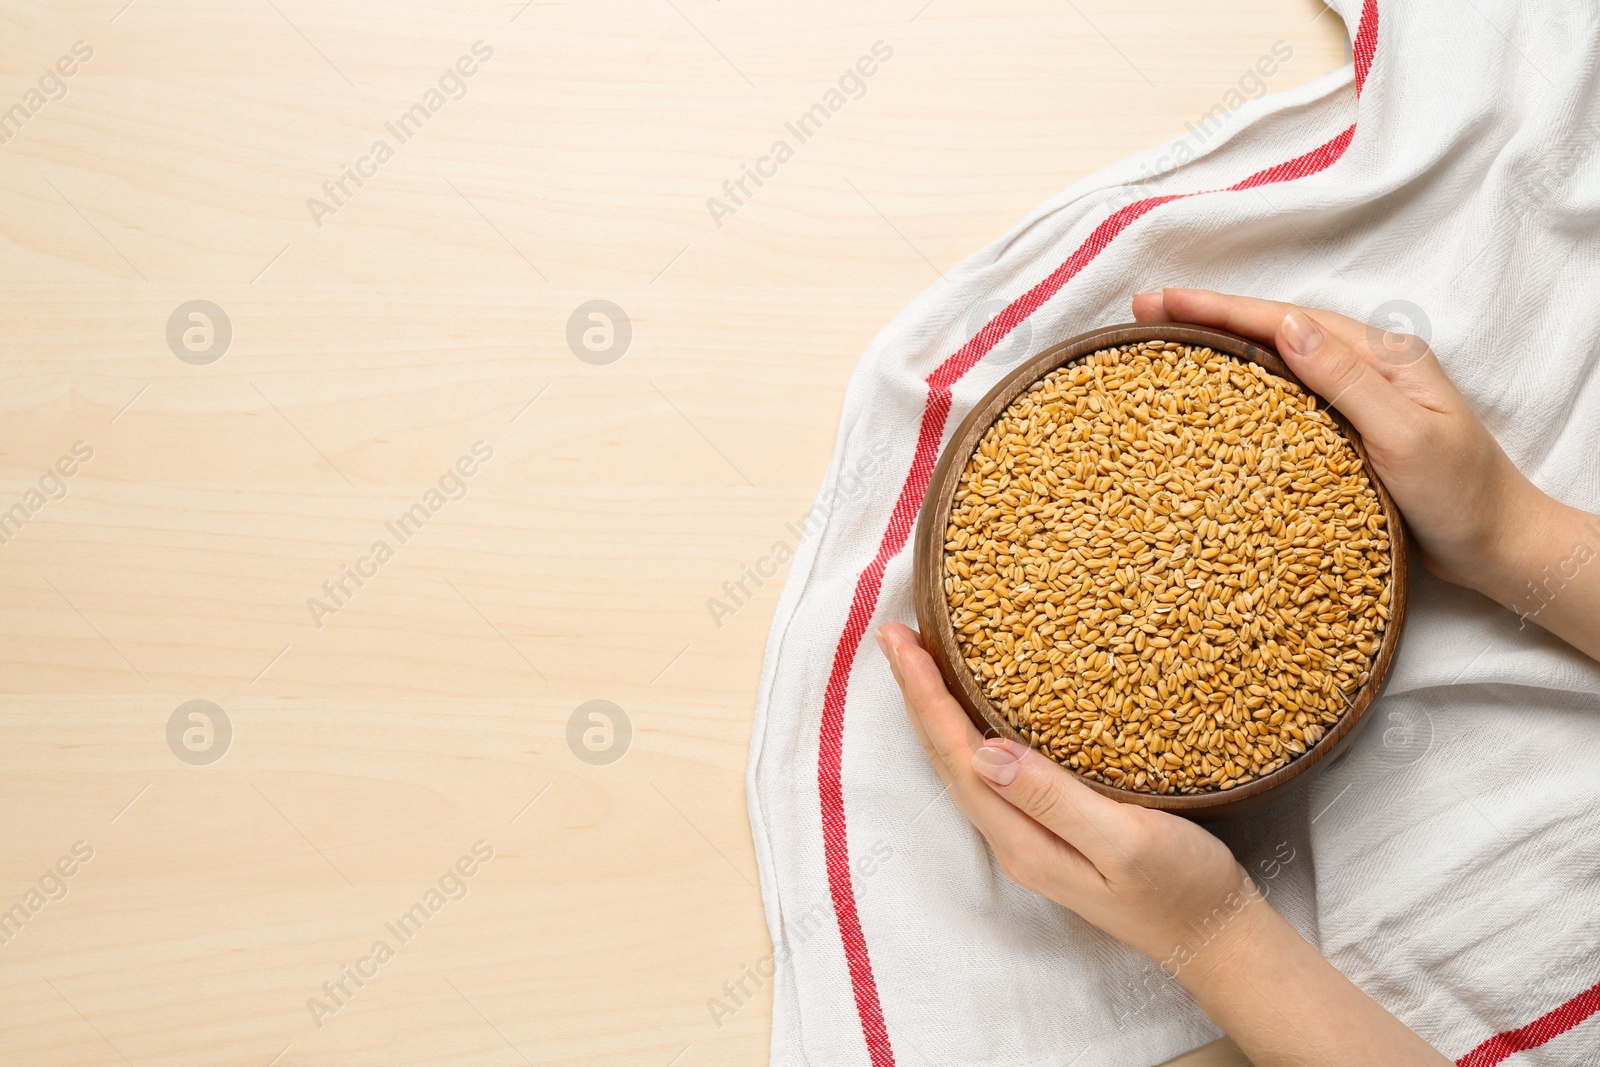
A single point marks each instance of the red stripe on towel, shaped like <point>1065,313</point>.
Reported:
<point>1547,1026</point>
<point>830,746</point>
<point>1366,42</point>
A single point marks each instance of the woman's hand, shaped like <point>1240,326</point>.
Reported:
<point>1143,876</point>
<point>1464,501</point>
<point>1478,521</point>
<point>1154,881</point>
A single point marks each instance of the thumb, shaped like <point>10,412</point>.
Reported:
<point>1342,376</point>
<point>1050,795</point>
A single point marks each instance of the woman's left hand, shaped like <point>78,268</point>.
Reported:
<point>1154,881</point>
<point>1143,876</point>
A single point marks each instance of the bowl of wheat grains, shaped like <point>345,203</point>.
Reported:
<point>1154,556</point>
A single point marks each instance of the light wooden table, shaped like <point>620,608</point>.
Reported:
<point>375,740</point>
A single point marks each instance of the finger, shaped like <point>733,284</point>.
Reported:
<point>1029,852</point>
<point>1056,799</point>
<point>1149,307</point>
<point>1251,316</point>
<point>947,735</point>
<point>1246,315</point>
<point>1344,377</point>
<point>1408,362</point>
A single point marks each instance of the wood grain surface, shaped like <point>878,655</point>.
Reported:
<point>407,728</point>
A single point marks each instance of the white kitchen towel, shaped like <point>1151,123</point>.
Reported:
<point>1446,183</point>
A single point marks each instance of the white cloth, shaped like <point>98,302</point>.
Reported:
<point>1450,863</point>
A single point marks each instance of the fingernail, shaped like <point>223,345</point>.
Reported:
<point>996,764</point>
<point>1156,292</point>
<point>883,642</point>
<point>1302,336</point>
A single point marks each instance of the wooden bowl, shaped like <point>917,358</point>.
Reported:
<point>933,611</point>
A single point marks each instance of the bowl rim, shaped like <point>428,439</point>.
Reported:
<point>933,610</point>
